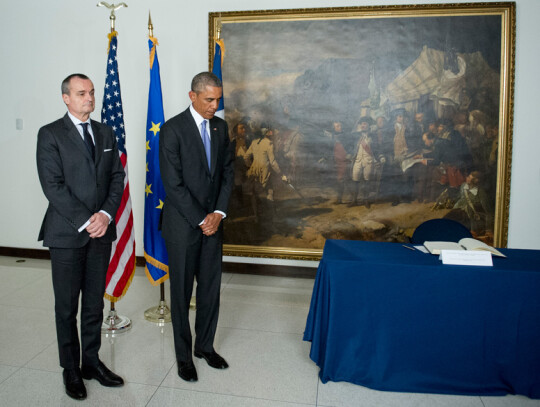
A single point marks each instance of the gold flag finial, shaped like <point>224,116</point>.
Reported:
<point>113,8</point>
<point>218,39</point>
<point>218,28</point>
<point>153,39</point>
<point>150,26</point>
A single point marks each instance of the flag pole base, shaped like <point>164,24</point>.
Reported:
<point>115,324</point>
<point>159,315</point>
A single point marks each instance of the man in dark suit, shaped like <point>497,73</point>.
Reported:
<point>198,183</point>
<point>83,179</point>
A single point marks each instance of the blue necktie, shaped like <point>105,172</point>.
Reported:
<point>206,142</point>
<point>88,140</point>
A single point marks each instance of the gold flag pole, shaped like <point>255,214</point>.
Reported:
<point>114,324</point>
<point>160,314</point>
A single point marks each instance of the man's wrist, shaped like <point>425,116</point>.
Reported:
<point>223,214</point>
<point>109,216</point>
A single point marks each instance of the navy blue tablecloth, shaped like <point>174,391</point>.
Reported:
<point>394,319</point>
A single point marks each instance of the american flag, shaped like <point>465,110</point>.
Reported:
<point>122,263</point>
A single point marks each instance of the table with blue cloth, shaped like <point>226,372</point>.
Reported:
<point>390,318</point>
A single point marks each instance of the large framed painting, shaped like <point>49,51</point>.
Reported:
<point>363,122</point>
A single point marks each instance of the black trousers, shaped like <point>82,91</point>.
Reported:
<point>74,272</point>
<point>201,260</point>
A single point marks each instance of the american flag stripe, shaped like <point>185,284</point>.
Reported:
<point>123,258</point>
<point>123,251</point>
<point>121,244</point>
<point>122,263</point>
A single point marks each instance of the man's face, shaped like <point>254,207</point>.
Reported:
<point>471,180</point>
<point>337,127</point>
<point>399,118</point>
<point>206,102</point>
<point>380,122</point>
<point>364,126</point>
<point>241,130</point>
<point>428,142</point>
<point>80,101</point>
<point>419,117</point>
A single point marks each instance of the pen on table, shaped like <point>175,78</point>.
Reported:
<point>408,247</point>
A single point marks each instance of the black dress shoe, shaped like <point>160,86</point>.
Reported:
<point>74,384</point>
<point>186,370</point>
<point>102,374</point>
<point>213,359</point>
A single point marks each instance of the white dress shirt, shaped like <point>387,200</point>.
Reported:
<point>78,126</point>
<point>198,120</point>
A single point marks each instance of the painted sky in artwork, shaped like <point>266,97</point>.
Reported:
<point>290,46</point>
<point>308,65</point>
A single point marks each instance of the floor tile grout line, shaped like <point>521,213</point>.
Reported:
<point>159,386</point>
<point>39,353</point>
<point>317,392</point>
<point>269,305</point>
<point>262,331</point>
<point>17,368</point>
<point>23,287</point>
<point>213,393</point>
<point>237,396</point>
<point>27,307</point>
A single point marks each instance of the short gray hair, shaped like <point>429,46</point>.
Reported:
<point>204,79</point>
<point>65,82</point>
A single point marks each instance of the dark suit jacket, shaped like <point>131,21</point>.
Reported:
<point>192,190</point>
<point>75,186</point>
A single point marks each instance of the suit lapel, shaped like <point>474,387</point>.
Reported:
<point>98,141</point>
<point>214,143</point>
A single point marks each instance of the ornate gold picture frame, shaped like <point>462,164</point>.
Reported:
<point>362,122</point>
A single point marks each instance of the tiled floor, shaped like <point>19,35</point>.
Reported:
<point>260,331</point>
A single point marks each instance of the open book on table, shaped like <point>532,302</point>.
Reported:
<point>466,243</point>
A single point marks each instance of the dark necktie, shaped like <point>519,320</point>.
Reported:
<point>206,142</point>
<point>88,140</point>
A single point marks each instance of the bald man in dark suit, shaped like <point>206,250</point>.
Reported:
<point>196,163</point>
<point>83,179</point>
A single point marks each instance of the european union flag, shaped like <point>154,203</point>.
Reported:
<point>157,261</point>
<point>216,70</point>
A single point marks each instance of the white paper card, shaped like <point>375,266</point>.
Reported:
<point>422,249</point>
<point>467,257</point>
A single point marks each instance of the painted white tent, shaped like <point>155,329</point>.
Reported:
<point>427,77</point>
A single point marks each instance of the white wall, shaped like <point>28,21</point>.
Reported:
<point>42,42</point>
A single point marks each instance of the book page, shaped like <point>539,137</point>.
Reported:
<point>436,247</point>
<point>474,244</point>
